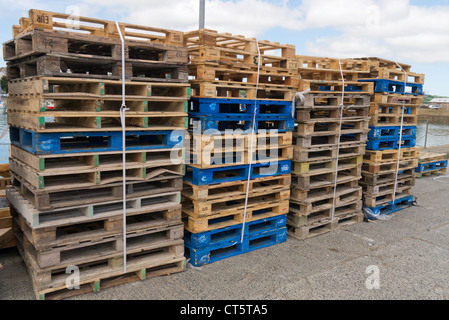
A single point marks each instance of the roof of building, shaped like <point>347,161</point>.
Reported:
<point>439,100</point>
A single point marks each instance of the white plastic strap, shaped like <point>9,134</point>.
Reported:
<point>339,138</point>
<point>123,110</point>
<point>298,96</point>
<point>400,138</point>
<point>253,125</point>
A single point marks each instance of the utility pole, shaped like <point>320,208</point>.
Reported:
<point>202,13</point>
<point>427,130</point>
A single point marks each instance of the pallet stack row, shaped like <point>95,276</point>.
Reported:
<point>431,163</point>
<point>65,96</point>
<point>237,185</point>
<point>330,140</point>
<point>391,157</point>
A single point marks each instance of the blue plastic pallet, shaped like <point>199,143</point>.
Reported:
<point>425,167</point>
<point>209,106</point>
<point>222,122</point>
<point>202,177</point>
<point>199,257</point>
<point>230,235</point>
<point>392,132</point>
<point>392,86</point>
<point>63,143</point>
<point>391,207</point>
<point>387,144</point>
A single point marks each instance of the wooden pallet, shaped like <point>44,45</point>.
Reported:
<point>214,158</point>
<point>373,179</point>
<point>7,238</point>
<point>107,272</point>
<point>428,157</point>
<point>236,189</point>
<point>345,126</point>
<point>330,140</point>
<point>312,63</point>
<point>391,155</point>
<point>332,113</point>
<point>336,86</point>
<point>379,189</point>
<point>232,205</point>
<point>206,72</point>
<point>49,163</point>
<point>393,99</point>
<point>52,21</point>
<point>319,201</point>
<point>308,181</point>
<point>87,212</point>
<point>239,90</point>
<point>74,245</point>
<point>327,153</point>
<point>386,193</point>
<point>388,115</point>
<point>73,195</point>
<point>73,66</point>
<point>430,173</point>
<point>320,227</point>
<point>211,47</point>
<point>97,89</point>
<point>396,75</point>
<point>70,44</point>
<point>239,139</point>
<point>261,210</point>
<point>51,122</point>
<point>376,62</point>
<point>59,180</point>
<point>389,166</point>
<point>316,167</point>
<point>303,194</point>
<point>325,101</point>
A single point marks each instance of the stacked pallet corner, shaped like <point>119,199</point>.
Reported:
<point>237,184</point>
<point>65,96</point>
<point>392,156</point>
<point>329,143</point>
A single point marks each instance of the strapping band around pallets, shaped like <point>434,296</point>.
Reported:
<point>253,129</point>
<point>400,136</point>
<point>339,140</point>
<point>123,110</point>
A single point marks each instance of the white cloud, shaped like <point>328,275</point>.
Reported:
<point>390,29</point>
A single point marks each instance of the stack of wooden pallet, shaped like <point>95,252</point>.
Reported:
<point>66,153</point>
<point>7,238</point>
<point>431,163</point>
<point>237,185</point>
<point>391,157</point>
<point>330,140</point>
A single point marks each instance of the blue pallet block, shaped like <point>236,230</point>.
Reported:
<point>391,207</point>
<point>230,235</point>
<point>392,86</point>
<point>82,142</point>
<point>392,132</point>
<point>199,257</point>
<point>202,177</point>
<point>222,122</point>
<point>388,144</point>
<point>211,106</point>
<point>425,167</point>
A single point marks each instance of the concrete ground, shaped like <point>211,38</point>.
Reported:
<point>411,251</point>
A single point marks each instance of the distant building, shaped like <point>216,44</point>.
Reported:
<point>442,103</point>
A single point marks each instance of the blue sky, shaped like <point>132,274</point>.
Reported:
<point>414,32</point>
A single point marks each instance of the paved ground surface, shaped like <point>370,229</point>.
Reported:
<point>411,251</point>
